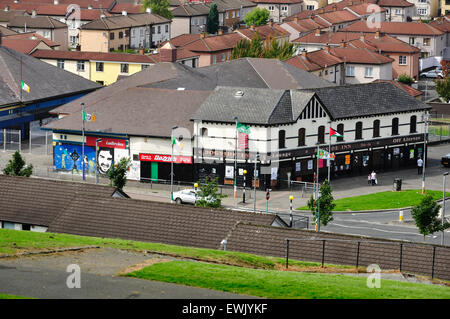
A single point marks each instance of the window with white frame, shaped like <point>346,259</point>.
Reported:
<point>398,11</point>
<point>427,42</point>
<point>47,34</point>
<point>402,60</point>
<point>284,8</point>
<point>73,39</point>
<point>123,68</point>
<point>422,12</point>
<point>271,8</point>
<point>350,70</point>
<point>310,7</point>
<point>80,66</point>
<point>60,64</point>
<point>368,72</point>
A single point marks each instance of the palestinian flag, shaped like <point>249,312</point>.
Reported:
<point>25,86</point>
<point>335,133</point>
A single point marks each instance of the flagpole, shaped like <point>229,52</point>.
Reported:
<point>82,138</point>
<point>329,154</point>
<point>235,159</point>
<point>21,79</point>
<point>317,189</point>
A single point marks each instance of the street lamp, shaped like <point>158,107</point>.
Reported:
<point>96,159</point>
<point>255,171</point>
<point>443,205</point>
<point>235,157</point>
<point>243,194</point>
<point>171,165</point>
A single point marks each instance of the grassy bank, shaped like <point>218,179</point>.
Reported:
<point>15,241</point>
<point>282,284</point>
<point>383,200</point>
<point>4,296</point>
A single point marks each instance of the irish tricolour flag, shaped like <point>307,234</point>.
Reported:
<point>335,133</point>
<point>25,86</point>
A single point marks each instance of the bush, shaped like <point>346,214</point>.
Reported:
<point>16,166</point>
<point>403,78</point>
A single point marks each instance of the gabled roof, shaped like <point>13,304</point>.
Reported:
<point>408,89</point>
<point>366,8</point>
<point>25,46</point>
<point>315,60</point>
<point>57,82</point>
<point>32,36</point>
<point>264,31</point>
<point>92,56</point>
<point>191,10</point>
<point>303,25</point>
<point>182,40</point>
<point>384,43</point>
<point>6,16</point>
<point>38,22</point>
<point>407,28</point>
<point>38,201</point>
<point>327,37</point>
<point>394,3</point>
<point>442,23</point>
<point>338,17</point>
<point>359,56</point>
<point>5,31</point>
<point>128,7</point>
<point>214,43</point>
<point>127,21</point>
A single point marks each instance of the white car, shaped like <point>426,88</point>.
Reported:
<point>186,196</point>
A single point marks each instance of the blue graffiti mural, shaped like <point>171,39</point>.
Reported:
<point>67,157</point>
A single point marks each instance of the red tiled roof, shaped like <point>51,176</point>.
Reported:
<point>92,56</point>
<point>413,28</point>
<point>128,7</point>
<point>278,1</point>
<point>183,40</point>
<point>31,36</point>
<point>181,54</point>
<point>356,55</point>
<point>337,17</point>
<point>23,46</point>
<point>442,24</point>
<point>327,37</point>
<point>365,9</point>
<point>303,63</point>
<point>214,43</point>
<point>394,3</point>
<point>315,60</point>
<point>264,31</point>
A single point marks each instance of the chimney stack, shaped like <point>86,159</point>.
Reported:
<point>33,13</point>
<point>304,52</point>
<point>342,45</point>
<point>334,8</point>
<point>363,37</point>
<point>168,53</point>
<point>296,19</point>
<point>317,32</point>
<point>377,34</point>
<point>220,32</point>
<point>202,35</point>
<point>55,2</point>
<point>327,48</point>
<point>124,13</point>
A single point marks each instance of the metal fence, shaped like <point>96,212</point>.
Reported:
<point>11,140</point>
<point>39,141</point>
<point>429,260</point>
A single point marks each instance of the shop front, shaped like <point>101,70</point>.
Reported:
<point>157,167</point>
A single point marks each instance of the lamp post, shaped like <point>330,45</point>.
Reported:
<point>235,157</point>
<point>329,153</point>
<point>317,191</point>
<point>96,159</point>
<point>171,165</point>
<point>425,131</point>
<point>82,139</point>
<point>243,194</point>
<point>443,205</point>
<point>255,171</point>
<point>290,210</point>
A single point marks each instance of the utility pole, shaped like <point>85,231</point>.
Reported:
<point>171,164</point>
<point>443,206</point>
<point>82,138</point>
<point>235,158</point>
<point>254,176</point>
<point>424,149</point>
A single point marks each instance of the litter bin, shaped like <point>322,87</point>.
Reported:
<point>397,184</point>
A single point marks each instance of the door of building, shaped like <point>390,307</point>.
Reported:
<point>154,170</point>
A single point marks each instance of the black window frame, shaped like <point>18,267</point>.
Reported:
<point>376,128</point>
<point>358,130</point>
<point>395,125</point>
<point>281,139</point>
<point>321,134</point>
<point>301,137</point>
<point>340,130</point>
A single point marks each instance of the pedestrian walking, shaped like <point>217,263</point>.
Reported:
<point>373,177</point>
<point>419,166</point>
<point>369,179</point>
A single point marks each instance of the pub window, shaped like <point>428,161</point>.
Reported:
<point>321,134</point>
<point>204,131</point>
<point>376,128</point>
<point>358,131</point>
<point>413,124</point>
<point>301,137</point>
<point>282,139</point>
<point>340,129</point>
<point>395,126</point>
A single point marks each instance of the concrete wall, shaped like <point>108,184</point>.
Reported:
<point>93,40</point>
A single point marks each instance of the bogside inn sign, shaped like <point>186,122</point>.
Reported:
<point>308,151</point>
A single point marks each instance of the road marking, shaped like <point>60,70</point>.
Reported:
<point>381,230</point>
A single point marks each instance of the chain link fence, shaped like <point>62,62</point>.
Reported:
<point>439,127</point>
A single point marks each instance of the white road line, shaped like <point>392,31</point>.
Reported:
<point>381,230</point>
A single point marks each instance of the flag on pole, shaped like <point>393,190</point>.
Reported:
<point>25,86</point>
<point>335,133</point>
<point>88,117</point>
<point>242,128</point>
<point>176,142</point>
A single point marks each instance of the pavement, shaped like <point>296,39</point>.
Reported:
<point>46,276</point>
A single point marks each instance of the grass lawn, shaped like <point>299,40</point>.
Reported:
<point>3,296</point>
<point>439,130</point>
<point>14,241</point>
<point>382,200</point>
<point>282,284</point>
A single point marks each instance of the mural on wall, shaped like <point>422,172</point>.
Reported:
<point>67,157</point>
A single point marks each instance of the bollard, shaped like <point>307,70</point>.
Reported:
<point>400,216</point>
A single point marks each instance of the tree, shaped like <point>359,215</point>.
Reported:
<point>269,48</point>
<point>426,214</point>
<point>16,166</point>
<point>257,17</point>
<point>326,204</point>
<point>117,173</point>
<point>159,7</point>
<point>208,194</point>
<point>443,88</point>
<point>213,20</point>
<point>403,78</point>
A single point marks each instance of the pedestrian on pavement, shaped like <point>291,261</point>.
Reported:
<point>419,166</point>
<point>373,177</point>
<point>369,179</point>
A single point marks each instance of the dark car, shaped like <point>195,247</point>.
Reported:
<point>446,160</point>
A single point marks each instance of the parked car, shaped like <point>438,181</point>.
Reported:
<point>187,196</point>
<point>446,160</point>
<point>436,73</point>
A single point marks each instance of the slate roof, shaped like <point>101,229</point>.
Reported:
<point>37,201</point>
<point>38,22</point>
<point>358,100</point>
<point>57,82</point>
<point>31,36</point>
<point>152,221</point>
<point>6,32</point>
<point>121,22</point>
<point>271,107</point>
